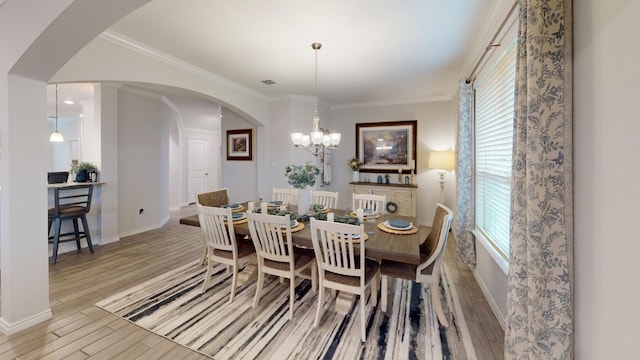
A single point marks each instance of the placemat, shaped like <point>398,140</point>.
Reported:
<point>239,222</point>
<point>241,208</point>
<point>296,228</point>
<point>389,230</point>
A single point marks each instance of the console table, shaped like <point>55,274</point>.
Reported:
<point>405,196</point>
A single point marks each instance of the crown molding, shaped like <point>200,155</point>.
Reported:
<point>391,102</point>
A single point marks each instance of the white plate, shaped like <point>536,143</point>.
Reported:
<point>386,223</point>
<point>294,223</point>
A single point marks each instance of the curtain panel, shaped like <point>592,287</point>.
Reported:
<point>465,244</point>
<point>540,280</point>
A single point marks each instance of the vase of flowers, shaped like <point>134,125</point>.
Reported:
<point>355,165</point>
<point>302,177</point>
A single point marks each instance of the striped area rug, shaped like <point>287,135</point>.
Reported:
<point>172,306</point>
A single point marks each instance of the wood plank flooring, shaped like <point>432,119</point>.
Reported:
<point>79,330</point>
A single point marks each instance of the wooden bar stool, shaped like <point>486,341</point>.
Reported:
<point>70,203</point>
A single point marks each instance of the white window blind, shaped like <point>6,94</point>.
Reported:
<point>494,109</point>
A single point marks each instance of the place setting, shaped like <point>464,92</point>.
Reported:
<point>233,207</point>
<point>366,213</point>
<point>398,226</point>
<point>295,226</point>
<point>239,218</point>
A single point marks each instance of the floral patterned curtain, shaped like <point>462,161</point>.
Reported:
<point>465,246</point>
<point>540,280</point>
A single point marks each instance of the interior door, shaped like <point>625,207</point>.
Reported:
<point>197,168</point>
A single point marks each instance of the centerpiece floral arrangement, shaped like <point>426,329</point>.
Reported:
<point>301,176</point>
<point>355,164</point>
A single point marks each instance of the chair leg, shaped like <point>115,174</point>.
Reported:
<point>314,277</point>
<point>319,309</point>
<point>203,258</point>
<point>437,304</point>
<point>56,238</point>
<point>207,276</point>
<point>363,316</point>
<point>374,289</point>
<point>292,294</point>
<point>87,234</point>
<point>259,285</point>
<point>76,232</point>
<point>383,294</point>
<point>234,282</point>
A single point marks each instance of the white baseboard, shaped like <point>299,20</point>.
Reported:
<point>10,329</point>
<point>143,229</point>
<point>502,319</point>
<point>110,239</point>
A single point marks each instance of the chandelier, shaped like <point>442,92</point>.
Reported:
<point>319,139</point>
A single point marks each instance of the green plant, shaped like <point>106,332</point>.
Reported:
<point>84,165</point>
<point>301,176</point>
<point>355,164</point>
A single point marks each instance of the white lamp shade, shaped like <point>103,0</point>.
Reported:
<point>306,140</point>
<point>326,140</point>
<point>335,139</point>
<point>316,137</point>
<point>296,138</point>
<point>443,160</point>
<point>56,136</point>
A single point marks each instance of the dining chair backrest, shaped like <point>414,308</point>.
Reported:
<point>271,235</point>
<point>369,201</point>
<point>286,195</point>
<point>218,232</point>
<point>214,198</point>
<point>432,249</point>
<point>336,250</point>
<point>329,199</point>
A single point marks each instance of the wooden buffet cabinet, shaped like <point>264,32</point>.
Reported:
<point>405,196</point>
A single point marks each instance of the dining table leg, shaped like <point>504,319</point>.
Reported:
<point>344,301</point>
<point>249,273</point>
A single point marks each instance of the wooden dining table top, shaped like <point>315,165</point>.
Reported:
<point>381,245</point>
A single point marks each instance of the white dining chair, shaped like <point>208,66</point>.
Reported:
<point>342,266</point>
<point>214,198</point>
<point>327,198</point>
<point>276,255</point>
<point>372,202</point>
<point>431,256</point>
<point>222,245</point>
<point>286,195</point>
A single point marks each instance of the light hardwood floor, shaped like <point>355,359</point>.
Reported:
<point>80,330</point>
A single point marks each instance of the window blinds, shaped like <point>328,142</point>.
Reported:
<point>494,111</point>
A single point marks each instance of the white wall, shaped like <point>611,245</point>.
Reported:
<point>606,132</point>
<point>436,131</point>
<point>143,158</point>
<point>240,177</point>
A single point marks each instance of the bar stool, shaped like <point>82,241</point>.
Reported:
<point>70,203</point>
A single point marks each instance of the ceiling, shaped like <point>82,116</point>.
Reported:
<point>373,51</point>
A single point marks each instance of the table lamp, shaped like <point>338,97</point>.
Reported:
<point>442,160</point>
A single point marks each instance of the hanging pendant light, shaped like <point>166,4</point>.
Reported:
<point>319,139</point>
<point>56,136</point>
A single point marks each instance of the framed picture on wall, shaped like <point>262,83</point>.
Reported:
<point>240,144</point>
<point>387,147</point>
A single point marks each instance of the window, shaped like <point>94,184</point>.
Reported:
<point>494,111</point>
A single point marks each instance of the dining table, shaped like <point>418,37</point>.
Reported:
<point>381,243</point>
